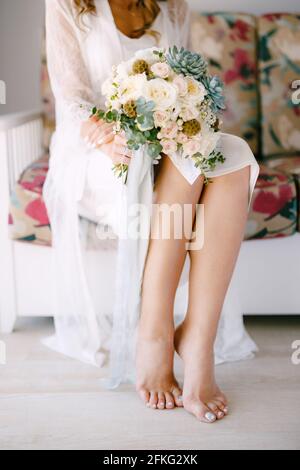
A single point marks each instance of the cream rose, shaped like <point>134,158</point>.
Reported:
<point>169,146</point>
<point>182,138</point>
<point>188,113</point>
<point>191,147</point>
<point>169,131</point>
<point>162,93</point>
<point>181,84</point>
<point>195,90</point>
<point>161,69</point>
<point>161,118</point>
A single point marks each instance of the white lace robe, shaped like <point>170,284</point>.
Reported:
<point>79,60</point>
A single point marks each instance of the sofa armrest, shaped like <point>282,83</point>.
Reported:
<point>20,143</point>
<point>14,120</point>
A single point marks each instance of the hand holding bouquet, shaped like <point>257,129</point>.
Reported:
<point>167,102</point>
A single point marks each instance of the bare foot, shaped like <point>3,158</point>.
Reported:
<point>156,383</point>
<point>201,395</point>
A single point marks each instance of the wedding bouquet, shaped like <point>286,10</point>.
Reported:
<point>167,101</point>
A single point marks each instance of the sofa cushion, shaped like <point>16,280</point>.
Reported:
<point>273,210</point>
<point>274,205</point>
<point>290,165</point>
<point>28,217</point>
<point>228,41</point>
<point>279,67</point>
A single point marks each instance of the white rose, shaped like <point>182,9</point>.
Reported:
<point>124,69</point>
<point>161,118</point>
<point>108,89</point>
<point>147,55</point>
<point>208,140</point>
<point>181,84</point>
<point>169,146</point>
<point>132,87</point>
<point>195,90</point>
<point>162,93</point>
<point>188,113</point>
<point>161,69</point>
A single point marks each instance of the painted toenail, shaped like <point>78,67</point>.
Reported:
<point>179,398</point>
<point>210,416</point>
<point>225,409</point>
<point>220,414</point>
<point>170,403</point>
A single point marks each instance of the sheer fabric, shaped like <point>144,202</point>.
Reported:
<point>79,60</point>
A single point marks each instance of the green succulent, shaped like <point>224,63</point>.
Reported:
<point>187,63</point>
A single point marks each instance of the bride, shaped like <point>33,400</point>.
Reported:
<point>84,39</point>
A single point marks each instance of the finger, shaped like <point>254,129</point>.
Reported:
<point>101,133</point>
<point>120,140</point>
<point>122,150</point>
<point>90,132</point>
<point>106,139</point>
<point>117,158</point>
<point>95,118</point>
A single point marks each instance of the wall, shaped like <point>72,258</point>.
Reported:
<point>21,26</point>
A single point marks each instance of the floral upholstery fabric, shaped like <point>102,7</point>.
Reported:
<point>273,210</point>
<point>279,66</point>
<point>290,165</point>
<point>274,205</point>
<point>228,41</point>
<point>28,217</point>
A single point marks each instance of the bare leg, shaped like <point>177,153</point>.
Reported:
<point>156,383</point>
<point>225,203</point>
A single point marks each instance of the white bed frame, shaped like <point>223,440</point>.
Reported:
<point>267,272</point>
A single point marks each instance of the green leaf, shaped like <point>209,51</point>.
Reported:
<point>264,52</point>
<point>145,122</point>
<point>154,149</point>
<point>144,107</point>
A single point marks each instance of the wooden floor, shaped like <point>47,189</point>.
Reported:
<point>48,401</point>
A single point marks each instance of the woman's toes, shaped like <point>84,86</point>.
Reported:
<point>213,407</point>
<point>201,412</point>
<point>153,400</point>
<point>220,414</point>
<point>217,407</point>
<point>208,417</point>
<point>177,394</point>
<point>222,399</point>
<point>145,395</point>
<point>169,400</point>
<point>161,401</point>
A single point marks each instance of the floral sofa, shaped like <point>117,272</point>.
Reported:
<point>258,58</point>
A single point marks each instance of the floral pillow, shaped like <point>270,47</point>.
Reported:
<point>279,67</point>
<point>228,41</point>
